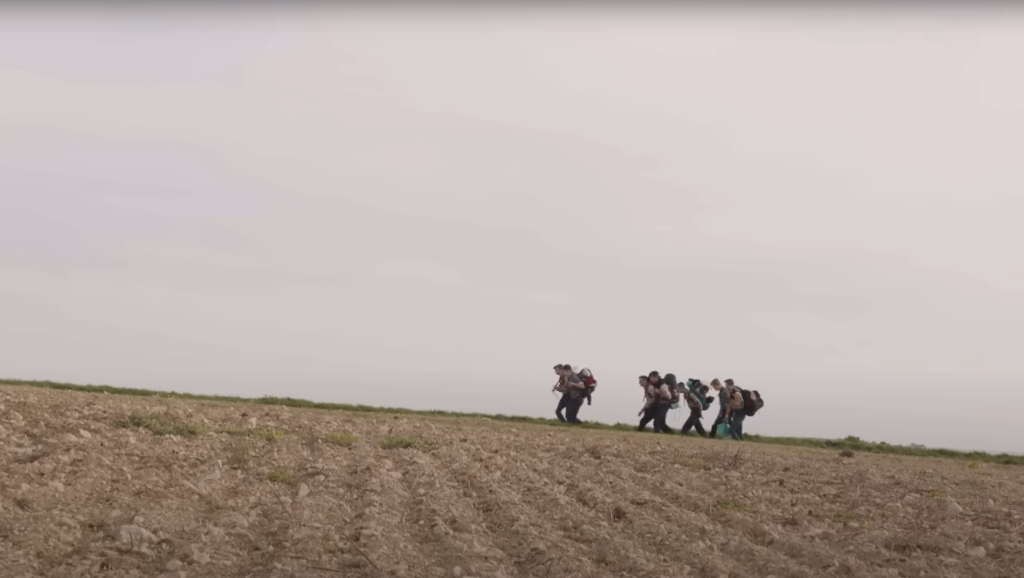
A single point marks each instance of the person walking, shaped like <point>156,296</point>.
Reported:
<point>723,406</point>
<point>663,401</point>
<point>734,415</point>
<point>696,400</point>
<point>561,387</point>
<point>577,394</point>
<point>646,413</point>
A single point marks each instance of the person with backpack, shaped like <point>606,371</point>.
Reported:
<point>697,399</point>
<point>734,415</point>
<point>662,395</point>
<point>577,391</point>
<point>723,406</point>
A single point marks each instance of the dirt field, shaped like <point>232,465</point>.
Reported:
<point>252,491</point>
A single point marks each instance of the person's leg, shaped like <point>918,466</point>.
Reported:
<point>688,425</point>
<point>696,417</point>
<point>736,425</point>
<point>718,421</point>
<point>647,418</point>
<point>693,422</point>
<point>588,396</point>
<point>659,420</point>
<point>562,404</point>
<point>573,409</point>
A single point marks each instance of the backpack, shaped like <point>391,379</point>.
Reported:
<point>694,386</point>
<point>673,388</point>
<point>694,399</point>
<point>588,378</point>
<point>751,403</point>
<point>589,381</point>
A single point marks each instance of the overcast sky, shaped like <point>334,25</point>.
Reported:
<point>430,209</point>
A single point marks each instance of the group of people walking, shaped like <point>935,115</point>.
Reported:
<point>662,394</point>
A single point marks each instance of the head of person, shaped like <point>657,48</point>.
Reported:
<point>729,384</point>
<point>703,389</point>
<point>670,380</point>
<point>654,378</point>
<point>642,380</point>
<point>566,369</point>
<point>715,384</point>
<point>558,369</point>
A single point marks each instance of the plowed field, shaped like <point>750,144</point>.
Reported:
<point>110,485</point>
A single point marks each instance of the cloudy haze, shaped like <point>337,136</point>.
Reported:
<point>430,209</point>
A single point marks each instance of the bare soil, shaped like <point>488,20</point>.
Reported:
<point>207,489</point>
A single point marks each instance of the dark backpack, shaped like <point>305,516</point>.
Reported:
<point>673,387</point>
<point>751,403</point>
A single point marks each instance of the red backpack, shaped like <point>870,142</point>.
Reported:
<point>588,378</point>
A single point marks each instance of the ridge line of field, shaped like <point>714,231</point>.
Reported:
<point>852,443</point>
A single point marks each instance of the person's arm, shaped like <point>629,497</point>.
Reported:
<point>576,383</point>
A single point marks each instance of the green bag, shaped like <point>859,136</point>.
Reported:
<point>723,430</point>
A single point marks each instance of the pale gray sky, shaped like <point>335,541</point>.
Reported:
<point>430,209</point>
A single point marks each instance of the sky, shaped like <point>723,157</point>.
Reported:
<point>430,208</point>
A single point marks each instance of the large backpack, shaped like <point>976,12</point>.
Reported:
<point>589,381</point>
<point>701,401</point>
<point>751,403</point>
<point>694,386</point>
<point>673,388</point>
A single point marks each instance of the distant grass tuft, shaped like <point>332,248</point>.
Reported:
<point>238,455</point>
<point>732,506</point>
<point>341,439</point>
<point>406,442</point>
<point>160,426</point>
<point>281,476</point>
<point>852,443</point>
<point>270,435</point>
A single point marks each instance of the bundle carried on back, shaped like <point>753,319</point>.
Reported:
<point>695,396</point>
<point>751,401</point>
<point>673,388</point>
<point>589,381</point>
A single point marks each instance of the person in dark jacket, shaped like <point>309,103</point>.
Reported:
<point>577,394</point>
